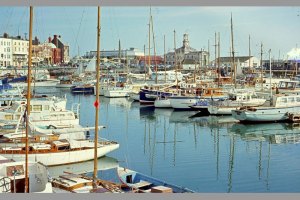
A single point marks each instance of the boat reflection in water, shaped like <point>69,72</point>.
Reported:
<point>214,121</point>
<point>122,101</point>
<point>104,163</point>
<point>275,133</point>
<point>181,116</point>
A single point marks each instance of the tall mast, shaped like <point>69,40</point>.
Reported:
<point>271,99</point>
<point>208,53</point>
<point>215,49</point>
<point>219,59</point>
<point>119,51</point>
<point>149,63</point>
<point>261,64</point>
<point>249,54</point>
<point>28,100</point>
<point>175,60</point>
<point>145,60</point>
<point>155,64</point>
<point>96,104</point>
<point>232,48</point>
<point>165,58</point>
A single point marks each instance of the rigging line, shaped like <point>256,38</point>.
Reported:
<point>21,20</point>
<point>9,19</point>
<point>113,22</point>
<point>76,39</point>
<point>69,22</point>
<point>42,18</point>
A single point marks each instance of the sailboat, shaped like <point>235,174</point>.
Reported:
<point>25,176</point>
<point>52,151</point>
<point>79,183</point>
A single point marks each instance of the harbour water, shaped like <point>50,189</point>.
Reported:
<point>205,154</point>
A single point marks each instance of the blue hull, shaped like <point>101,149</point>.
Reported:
<point>82,90</point>
<point>144,183</point>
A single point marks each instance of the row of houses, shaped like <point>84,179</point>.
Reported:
<point>14,51</point>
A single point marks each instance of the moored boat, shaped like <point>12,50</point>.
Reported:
<point>283,105</point>
<point>146,184</point>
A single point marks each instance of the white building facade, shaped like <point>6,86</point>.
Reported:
<point>6,58</point>
<point>20,51</point>
<point>131,54</point>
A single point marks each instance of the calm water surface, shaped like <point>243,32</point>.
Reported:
<point>205,154</point>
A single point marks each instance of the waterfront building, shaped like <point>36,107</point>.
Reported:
<point>42,52</point>
<point>61,53</point>
<point>5,51</point>
<point>154,60</point>
<point>187,54</point>
<point>20,51</point>
<point>132,55</point>
<point>240,61</point>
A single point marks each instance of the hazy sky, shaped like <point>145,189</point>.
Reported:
<point>278,28</point>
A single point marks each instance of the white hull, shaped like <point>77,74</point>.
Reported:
<point>227,106</point>
<point>47,83</point>
<point>219,110</point>
<point>162,103</point>
<point>265,114</point>
<point>116,93</point>
<point>58,122</point>
<point>37,173</point>
<point>104,163</point>
<point>64,85</point>
<point>62,158</point>
<point>134,96</point>
<point>182,103</point>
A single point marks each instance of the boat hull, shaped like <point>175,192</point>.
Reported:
<point>162,103</point>
<point>146,183</point>
<point>183,103</point>
<point>67,157</point>
<point>115,93</point>
<point>264,114</point>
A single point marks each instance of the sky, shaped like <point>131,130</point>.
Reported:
<point>277,28</point>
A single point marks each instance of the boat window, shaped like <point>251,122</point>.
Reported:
<point>19,109</point>
<point>8,117</point>
<point>298,99</point>
<point>283,100</point>
<point>46,107</point>
<point>63,148</point>
<point>291,99</point>
<point>129,179</point>
<point>37,107</point>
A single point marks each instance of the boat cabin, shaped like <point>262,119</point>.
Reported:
<point>281,100</point>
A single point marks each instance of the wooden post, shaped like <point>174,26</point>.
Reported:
<point>97,103</point>
<point>28,99</point>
